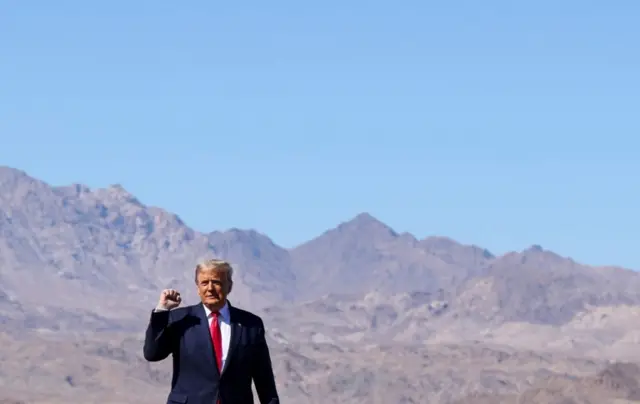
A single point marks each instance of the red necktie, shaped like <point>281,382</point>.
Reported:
<point>216,337</point>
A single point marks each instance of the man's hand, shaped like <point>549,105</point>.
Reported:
<point>169,299</point>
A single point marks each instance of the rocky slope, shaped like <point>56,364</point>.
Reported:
<point>359,314</point>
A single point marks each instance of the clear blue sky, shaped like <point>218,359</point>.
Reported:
<point>498,123</point>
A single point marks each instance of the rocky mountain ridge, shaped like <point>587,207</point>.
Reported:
<point>90,264</point>
<point>105,241</point>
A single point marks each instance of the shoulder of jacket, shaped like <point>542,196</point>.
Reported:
<point>246,317</point>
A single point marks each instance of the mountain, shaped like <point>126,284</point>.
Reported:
<point>364,254</point>
<point>540,286</point>
<point>452,252</point>
<point>97,248</point>
<point>360,313</point>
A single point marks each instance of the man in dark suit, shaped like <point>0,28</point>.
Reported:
<point>217,349</point>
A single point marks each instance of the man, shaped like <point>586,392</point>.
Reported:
<point>217,349</point>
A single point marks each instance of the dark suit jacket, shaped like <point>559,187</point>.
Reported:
<point>184,334</point>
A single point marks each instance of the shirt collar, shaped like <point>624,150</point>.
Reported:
<point>224,311</point>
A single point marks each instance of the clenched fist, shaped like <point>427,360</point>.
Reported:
<point>169,299</point>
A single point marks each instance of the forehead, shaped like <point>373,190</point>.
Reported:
<point>211,274</point>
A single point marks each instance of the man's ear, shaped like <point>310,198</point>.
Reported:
<point>230,287</point>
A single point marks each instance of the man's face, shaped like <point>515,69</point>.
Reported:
<point>213,288</point>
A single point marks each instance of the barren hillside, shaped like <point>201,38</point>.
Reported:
<point>360,314</point>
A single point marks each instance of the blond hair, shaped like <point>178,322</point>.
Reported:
<point>216,265</point>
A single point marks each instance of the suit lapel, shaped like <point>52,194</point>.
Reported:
<point>205,341</point>
<point>236,332</point>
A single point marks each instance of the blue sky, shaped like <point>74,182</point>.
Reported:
<point>498,123</point>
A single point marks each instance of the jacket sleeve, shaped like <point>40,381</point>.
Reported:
<point>158,342</point>
<point>263,377</point>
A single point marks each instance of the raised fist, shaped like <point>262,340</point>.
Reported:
<point>169,299</point>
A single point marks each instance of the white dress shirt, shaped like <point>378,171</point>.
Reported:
<point>224,321</point>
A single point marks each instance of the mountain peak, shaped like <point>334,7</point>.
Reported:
<point>365,217</point>
<point>11,172</point>
<point>118,189</point>
<point>365,222</point>
<point>117,192</point>
<point>16,184</point>
<point>9,175</point>
<point>241,235</point>
<point>535,248</point>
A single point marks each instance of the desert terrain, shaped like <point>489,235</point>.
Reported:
<point>359,314</point>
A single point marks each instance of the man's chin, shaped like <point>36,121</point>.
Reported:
<point>212,301</point>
